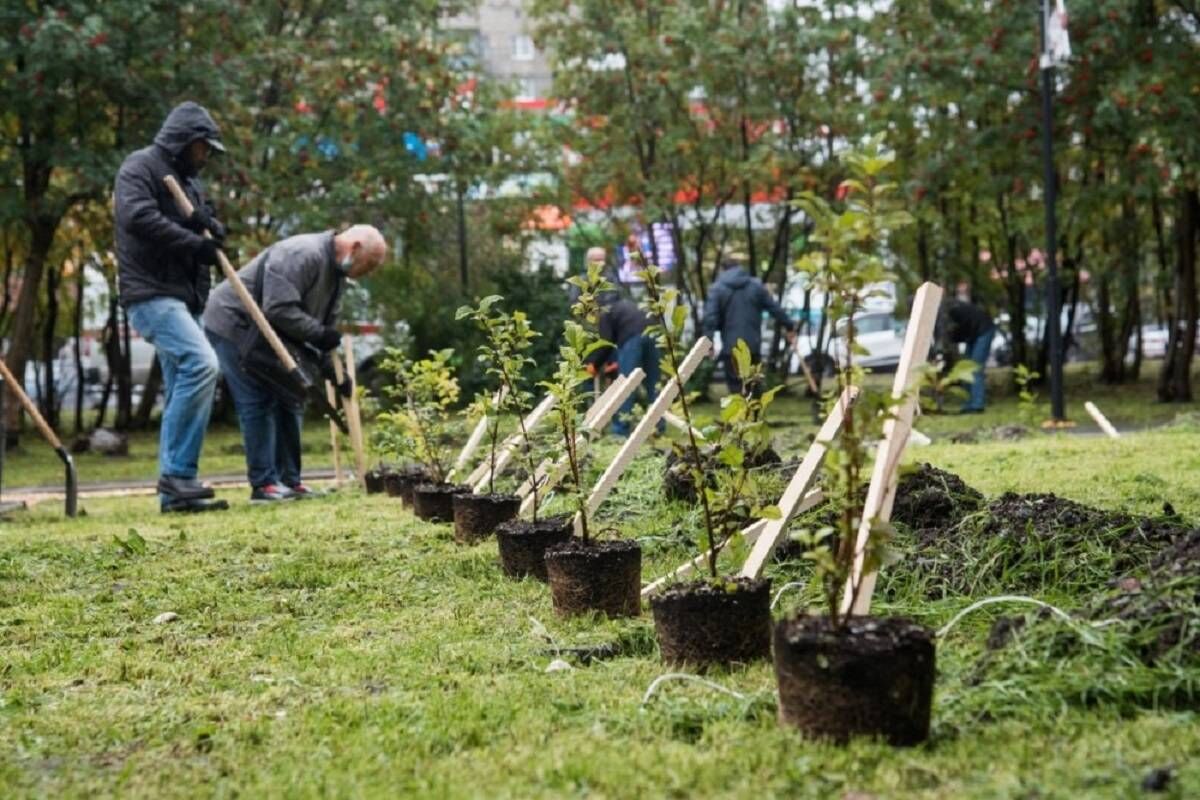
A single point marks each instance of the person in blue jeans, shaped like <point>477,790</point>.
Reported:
<point>164,263</point>
<point>623,325</point>
<point>970,325</point>
<point>300,281</point>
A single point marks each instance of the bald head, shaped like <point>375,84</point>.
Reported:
<point>595,255</point>
<point>363,246</point>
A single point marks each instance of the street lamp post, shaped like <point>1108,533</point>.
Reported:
<point>1053,321</point>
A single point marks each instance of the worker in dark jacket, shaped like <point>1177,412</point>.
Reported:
<point>300,280</point>
<point>163,262</point>
<point>734,309</point>
<point>623,325</point>
<point>969,324</point>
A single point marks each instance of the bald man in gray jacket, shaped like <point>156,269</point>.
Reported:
<point>300,281</point>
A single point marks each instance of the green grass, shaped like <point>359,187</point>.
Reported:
<point>341,648</point>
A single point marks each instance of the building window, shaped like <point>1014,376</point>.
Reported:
<point>526,89</point>
<point>522,48</point>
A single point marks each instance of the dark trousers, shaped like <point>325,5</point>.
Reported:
<point>270,425</point>
<point>637,351</point>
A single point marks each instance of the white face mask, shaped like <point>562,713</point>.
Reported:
<point>346,264</point>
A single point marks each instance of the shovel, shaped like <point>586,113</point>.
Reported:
<point>48,434</point>
<point>295,381</point>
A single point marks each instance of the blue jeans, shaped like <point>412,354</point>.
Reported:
<point>638,351</point>
<point>978,350</point>
<point>189,369</point>
<point>270,425</point>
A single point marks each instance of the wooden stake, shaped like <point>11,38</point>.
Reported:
<point>751,533</point>
<point>334,439</point>
<point>604,410</point>
<point>797,489</point>
<point>482,474</point>
<point>475,438</point>
<point>678,423</point>
<point>353,418</point>
<point>645,428</point>
<point>1101,420</point>
<point>882,492</point>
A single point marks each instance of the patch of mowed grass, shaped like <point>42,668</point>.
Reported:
<point>340,647</point>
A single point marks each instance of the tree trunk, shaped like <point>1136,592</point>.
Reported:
<point>124,377</point>
<point>50,398</point>
<point>141,420</point>
<point>21,336</point>
<point>1175,380</point>
<point>78,349</point>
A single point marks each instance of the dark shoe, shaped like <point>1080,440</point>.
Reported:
<point>184,488</point>
<point>970,410</point>
<point>304,492</point>
<point>272,493</point>
<point>177,505</point>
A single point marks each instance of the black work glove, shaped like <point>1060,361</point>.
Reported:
<point>202,220</point>
<point>346,387</point>
<point>206,254</point>
<point>328,339</point>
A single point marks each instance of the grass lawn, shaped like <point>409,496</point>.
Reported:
<point>342,648</point>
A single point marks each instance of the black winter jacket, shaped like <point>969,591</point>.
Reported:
<point>620,321</point>
<point>734,309</point>
<point>967,321</point>
<point>156,252</point>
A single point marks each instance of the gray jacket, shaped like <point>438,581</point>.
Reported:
<point>735,307</point>
<point>301,292</point>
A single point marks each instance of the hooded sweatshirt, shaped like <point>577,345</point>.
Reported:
<point>156,250</point>
<point>735,307</point>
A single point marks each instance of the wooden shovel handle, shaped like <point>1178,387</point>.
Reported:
<point>30,409</point>
<point>239,288</point>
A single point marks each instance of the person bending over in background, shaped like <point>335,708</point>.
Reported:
<point>164,262</point>
<point>299,283</point>
<point>971,325</point>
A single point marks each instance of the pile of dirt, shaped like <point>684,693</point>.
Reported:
<point>1162,609</point>
<point>678,482</point>
<point>928,498</point>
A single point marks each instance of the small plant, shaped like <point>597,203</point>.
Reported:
<point>742,435</point>
<point>1027,399</point>
<point>848,267</point>
<point>579,342</point>
<point>419,427</point>
<point>504,356</point>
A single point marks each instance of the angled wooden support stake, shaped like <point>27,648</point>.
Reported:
<point>751,533</point>
<point>593,425</point>
<point>860,585</point>
<point>482,475</point>
<point>334,439</point>
<point>645,428</point>
<point>797,489</point>
<point>353,419</point>
<point>475,439</point>
<point>678,423</point>
<point>1101,420</point>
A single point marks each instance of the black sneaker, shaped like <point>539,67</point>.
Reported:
<point>272,493</point>
<point>184,488</point>
<point>305,492</point>
<point>177,505</point>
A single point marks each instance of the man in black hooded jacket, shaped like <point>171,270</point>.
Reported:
<point>163,261</point>
<point>734,309</point>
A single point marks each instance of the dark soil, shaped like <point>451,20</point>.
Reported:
<point>1162,609</point>
<point>523,544</point>
<point>434,502</point>
<point>476,516</point>
<point>376,478</point>
<point>677,476</point>
<point>928,497</point>
<point>714,623</point>
<point>400,482</point>
<point>874,678</point>
<point>600,576</point>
